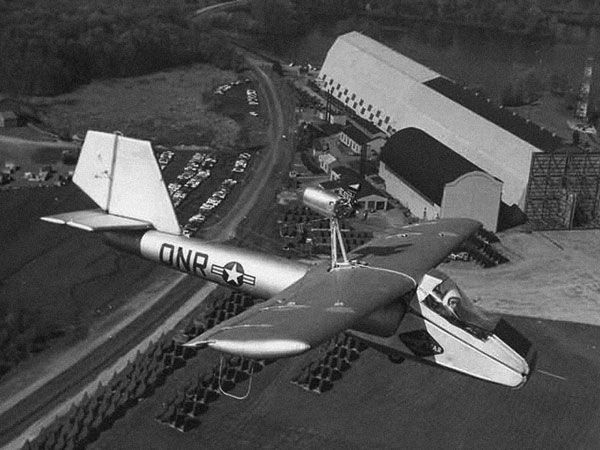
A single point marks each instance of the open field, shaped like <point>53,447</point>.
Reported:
<point>54,281</point>
<point>552,275</point>
<point>168,107</point>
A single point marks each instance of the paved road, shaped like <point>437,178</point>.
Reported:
<point>32,143</point>
<point>277,152</point>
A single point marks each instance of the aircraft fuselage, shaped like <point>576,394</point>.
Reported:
<point>257,274</point>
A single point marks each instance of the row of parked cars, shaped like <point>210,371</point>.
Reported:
<point>194,173</point>
<point>217,197</point>
<point>225,87</point>
<point>207,208</point>
<point>252,97</point>
<point>241,163</point>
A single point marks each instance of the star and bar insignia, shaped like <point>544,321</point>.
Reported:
<point>233,274</point>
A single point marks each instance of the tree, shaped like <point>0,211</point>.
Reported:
<point>274,17</point>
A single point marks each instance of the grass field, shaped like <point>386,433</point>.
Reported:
<point>168,107</point>
<point>55,281</point>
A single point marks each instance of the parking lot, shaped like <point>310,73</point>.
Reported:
<point>203,183</point>
<point>200,180</point>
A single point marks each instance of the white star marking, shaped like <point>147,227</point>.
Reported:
<point>233,274</point>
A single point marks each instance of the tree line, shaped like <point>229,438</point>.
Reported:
<point>48,48</point>
<point>289,17</point>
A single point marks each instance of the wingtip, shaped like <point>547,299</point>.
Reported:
<point>260,348</point>
<point>53,219</point>
<point>198,343</point>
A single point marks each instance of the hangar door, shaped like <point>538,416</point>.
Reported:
<point>563,190</point>
<point>474,195</point>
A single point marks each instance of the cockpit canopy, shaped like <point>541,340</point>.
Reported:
<point>450,302</point>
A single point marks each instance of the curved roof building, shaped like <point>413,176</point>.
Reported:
<point>395,92</point>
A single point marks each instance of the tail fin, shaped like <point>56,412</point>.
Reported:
<point>122,176</point>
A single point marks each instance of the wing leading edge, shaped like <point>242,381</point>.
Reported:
<point>326,302</point>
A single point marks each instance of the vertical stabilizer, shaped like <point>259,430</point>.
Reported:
<point>122,176</point>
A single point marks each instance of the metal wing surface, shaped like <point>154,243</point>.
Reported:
<point>325,302</point>
<point>415,249</point>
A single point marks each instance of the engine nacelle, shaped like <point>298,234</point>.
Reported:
<point>326,203</point>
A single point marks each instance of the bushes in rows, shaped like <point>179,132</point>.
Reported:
<point>138,379</point>
<point>319,376</point>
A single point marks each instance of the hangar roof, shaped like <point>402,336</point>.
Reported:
<point>386,56</point>
<point>517,125</point>
<point>424,162</point>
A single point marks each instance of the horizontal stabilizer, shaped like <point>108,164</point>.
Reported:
<point>97,220</point>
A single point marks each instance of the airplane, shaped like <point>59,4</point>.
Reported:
<point>386,293</point>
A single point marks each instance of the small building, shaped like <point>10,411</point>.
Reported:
<point>325,162</point>
<point>338,119</point>
<point>374,147</point>
<point>8,119</point>
<point>353,138</point>
<point>433,181</point>
<point>327,138</point>
<point>368,198</point>
<point>357,141</point>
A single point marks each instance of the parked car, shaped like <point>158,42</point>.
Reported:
<point>190,229</point>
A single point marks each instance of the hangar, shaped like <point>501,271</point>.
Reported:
<point>433,181</point>
<point>382,86</point>
<point>361,73</point>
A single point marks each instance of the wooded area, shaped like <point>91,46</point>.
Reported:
<point>48,48</point>
<point>287,17</point>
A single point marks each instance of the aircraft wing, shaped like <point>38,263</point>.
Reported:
<point>325,302</point>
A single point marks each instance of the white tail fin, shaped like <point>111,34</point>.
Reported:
<point>122,176</point>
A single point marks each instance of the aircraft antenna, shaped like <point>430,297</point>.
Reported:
<point>112,169</point>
